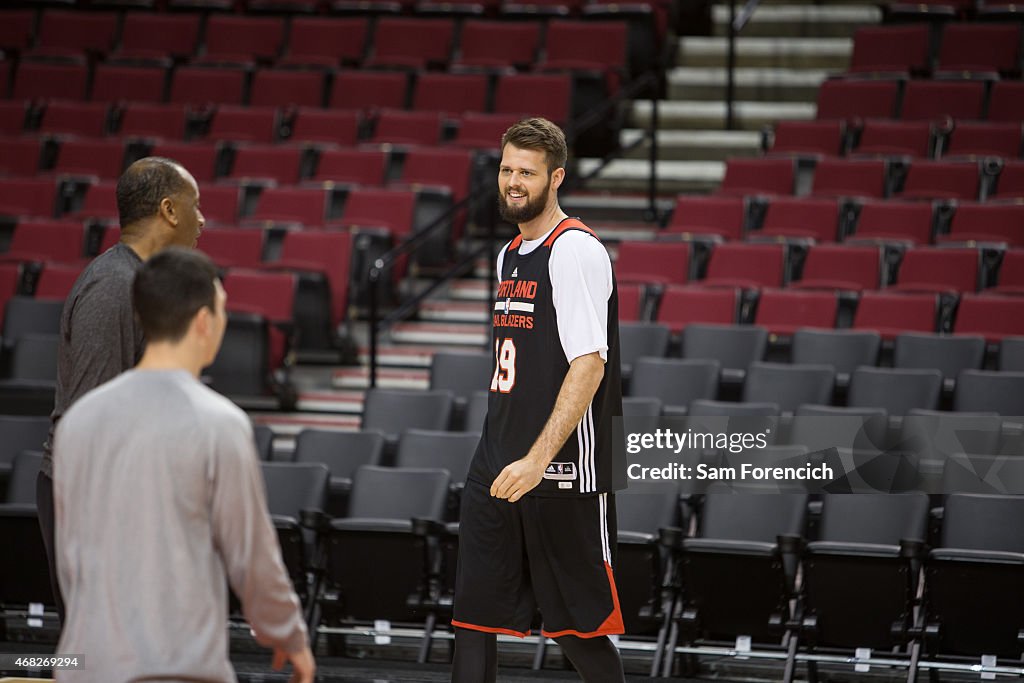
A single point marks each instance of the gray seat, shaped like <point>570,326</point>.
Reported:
<point>844,350</point>
<point>242,366</point>
<point>735,347</point>
<point>461,373</point>
<point>294,487</point>
<point>21,490</point>
<point>33,376</point>
<point>26,315</point>
<point>974,473</point>
<point>789,385</point>
<point>897,391</point>
<point>264,437</point>
<point>21,433</point>
<point>342,452</point>
<point>675,382</point>
<point>986,391</point>
<point>392,411</point>
<point>476,412</point>
<point>818,427</point>
<point>639,340</point>
<point>947,354</point>
<point>1011,354</point>
<point>450,451</point>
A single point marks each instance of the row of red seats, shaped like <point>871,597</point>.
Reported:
<point>824,267</point>
<point>413,43</point>
<point>943,10</point>
<point>782,312</point>
<point>921,100</point>
<point>964,48</point>
<point>951,180</point>
<point>543,94</point>
<point>827,220</point>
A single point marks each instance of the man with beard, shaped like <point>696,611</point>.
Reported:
<point>537,527</point>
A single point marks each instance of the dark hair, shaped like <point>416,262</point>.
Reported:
<point>538,134</point>
<point>144,184</point>
<point>170,289</point>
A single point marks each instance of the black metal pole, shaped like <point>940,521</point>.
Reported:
<point>730,76</point>
<point>374,279</point>
<point>652,181</point>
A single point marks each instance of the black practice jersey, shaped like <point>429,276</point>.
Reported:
<point>530,366</point>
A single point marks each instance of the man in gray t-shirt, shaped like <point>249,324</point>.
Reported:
<point>159,496</point>
<point>158,203</point>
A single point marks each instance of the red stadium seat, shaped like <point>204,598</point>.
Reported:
<point>199,86</point>
<point>930,100</point>
<point>1010,184</point>
<point>287,88</point>
<point>547,95</point>
<point>327,127</point>
<point>586,45</point>
<point>71,34</point>
<point>242,40</point>
<point>629,301</point>
<point>233,247</point>
<point>270,295</point>
<point>316,41</point>
<point>220,204</point>
<point>847,268</point>
<point>941,180</point>
<point>1011,274</point>
<point>12,118</point>
<point>895,221</point>
<point>10,279</point>
<point>21,156</point>
<point>88,119</point>
<point>391,209</point>
<point>893,314</point>
<point>16,29</point>
<point>56,280</point>
<point>483,131</point>
<point>369,90</point>
<point>758,176</point>
<point>1006,102</point>
<point>987,223</point>
<point>267,162</point>
<point>60,241</point>
<point>451,94</point>
<point>980,47</point>
<point>860,177</point>
<point>328,252</point>
<point>412,43</point>
<point>992,317</point>
<point>809,137</point>
<point>816,219</point>
<point>45,81</point>
<point>891,49</point>
<point>137,84</point>
<point>749,266</point>
<point>722,216</point>
<point>975,139</point>
<point>28,197</point>
<point>408,127</point>
<point>447,168</point>
<point>838,99</point>
<point>244,124</point>
<point>498,44</point>
<point>352,166</point>
<point>681,306</point>
<point>666,263</point>
<point>200,158</point>
<point>306,206</point>
<point>783,312</point>
<point>157,121</point>
<point>100,158</point>
<point>938,270</point>
<point>158,37</point>
<point>100,202</point>
<point>909,138</point>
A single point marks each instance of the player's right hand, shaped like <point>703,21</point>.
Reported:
<point>302,663</point>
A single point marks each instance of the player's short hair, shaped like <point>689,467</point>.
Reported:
<point>144,184</point>
<point>539,134</point>
<point>170,289</point>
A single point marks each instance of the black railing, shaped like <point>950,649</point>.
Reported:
<point>649,82</point>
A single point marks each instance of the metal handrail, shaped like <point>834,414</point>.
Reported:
<point>410,244</point>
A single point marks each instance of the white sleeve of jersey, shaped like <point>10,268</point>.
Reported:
<point>581,283</point>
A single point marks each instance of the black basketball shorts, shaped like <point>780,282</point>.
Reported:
<point>555,553</point>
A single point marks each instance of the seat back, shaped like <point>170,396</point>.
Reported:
<point>342,452</point>
<point>399,494</point>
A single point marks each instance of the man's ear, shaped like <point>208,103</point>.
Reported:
<point>557,176</point>
<point>202,323</point>
<point>167,211</point>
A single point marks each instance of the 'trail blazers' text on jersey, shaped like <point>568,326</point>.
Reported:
<point>529,369</point>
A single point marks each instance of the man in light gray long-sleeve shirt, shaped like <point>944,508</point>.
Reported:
<point>158,495</point>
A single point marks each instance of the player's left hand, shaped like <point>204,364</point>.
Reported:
<point>517,479</point>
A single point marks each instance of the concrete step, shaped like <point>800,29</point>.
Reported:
<point>387,378</point>
<point>688,114</point>
<point>290,424</point>
<point>471,290</point>
<point>331,401</point>
<point>780,53</point>
<point>810,21</point>
<point>673,176</point>
<point>752,83</point>
<point>441,333</point>
<point>695,145</point>
<point>450,310</point>
<point>402,355</point>
<point>620,207</point>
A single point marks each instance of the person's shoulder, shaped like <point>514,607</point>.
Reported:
<point>96,402</point>
<point>583,243</point>
<point>113,269</point>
